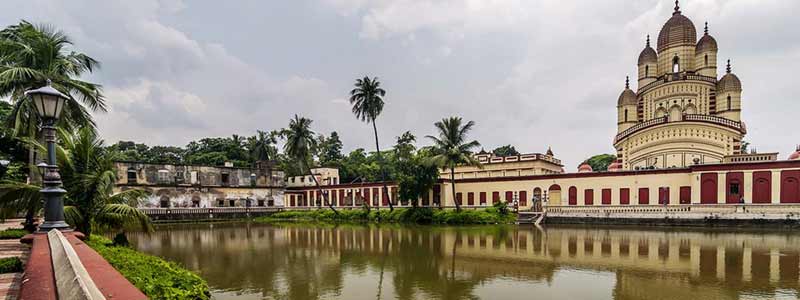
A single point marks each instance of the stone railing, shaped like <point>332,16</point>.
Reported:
<point>739,126</point>
<point>687,211</point>
<point>72,279</point>
<point>664,79</point>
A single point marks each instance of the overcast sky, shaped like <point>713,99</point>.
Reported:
<point>530,73</point>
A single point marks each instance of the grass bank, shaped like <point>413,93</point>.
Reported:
<point>12,233</point>
<point>491,215</point>
<point>154,276</point>
<point>10,265</point>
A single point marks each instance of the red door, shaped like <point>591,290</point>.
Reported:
<point>762,187</point>
<point>458,198</point>
<point>291,200</point>
<point>734,181</point>
<point>470,198</point>
<point>495,197</point>
<point>588,197</point>
<point>509,197</point>
<point>644,196</point>
<point>523,198</point>
<point>365,194</point>
<point>483,198</point>
<point>790,186</point>
<point>624,196</point>
<point>686,195</point>
<point>708,188</point>
<point>573,196</point>
<point>663,195</point>
<point>606,197</point>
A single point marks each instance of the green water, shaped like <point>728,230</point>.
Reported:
<point>261,261</point>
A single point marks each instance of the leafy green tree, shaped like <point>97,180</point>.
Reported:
<point>12,151</point>
<point>601,162</point>
<point>414,176</point>
<point>299,142</point>
<point>330,150</point>
<point>262,146</point>
<point>30,56</point>
<point>506,150</point>
<point>451,148</point>
<point>367,101</point>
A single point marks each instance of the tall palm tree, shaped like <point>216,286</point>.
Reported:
<point>367,101</point>
<point>451,149</point>
<point>30,55</point>
<point>300,139</point>
<point>262,146</point>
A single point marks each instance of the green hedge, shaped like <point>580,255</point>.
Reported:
<point>154,276</point>
<point>10,265</point>
<point>489,215</point>
<point>12,234</point>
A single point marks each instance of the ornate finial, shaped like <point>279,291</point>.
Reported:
<point>648,40</point>
<point>627,82</point>
<point>706,29</point>
<point>728,69</point>
<point>677,8</point>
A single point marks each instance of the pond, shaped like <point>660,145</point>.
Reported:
<point>301,261</point>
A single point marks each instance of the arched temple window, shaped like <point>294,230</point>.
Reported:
<point>646,71</point>
<point>706,59</point>
<point>676,66</point>
<point>626,115</point>
<point>729,102</point>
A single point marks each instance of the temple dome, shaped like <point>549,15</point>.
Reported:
<point>795,155</point>
<point>678,30</point>
<point>706,42</point>
<point>615,166</point>
<point>628,97</point>
<point>585,168</point>
<point>730,82</point>
<point>648,54</point>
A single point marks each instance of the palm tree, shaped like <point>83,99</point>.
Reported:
<point>89,176</point>
<point>300,139</point>
<point>20,197</point>
<point>262,146</point>
<point>450,148</point>
<point>367,101</point>
<point>30,55</point>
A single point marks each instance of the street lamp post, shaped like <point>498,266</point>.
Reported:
<point>49,102</point>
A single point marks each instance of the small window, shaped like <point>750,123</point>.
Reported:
<point>163,176</point>
<point>734,188</point>
<point>225,178</point>
<point>302,179</point>
<point>132,176</point>
<point>626,115</point>
<point>646,70</point>
<point>231,203</point>
<point>729,102</point>
<point>220,203</point>
<point>706,58</point>
<point>676,66</point>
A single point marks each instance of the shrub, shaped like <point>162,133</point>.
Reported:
<point>12,234</point>
<point>10,265</point>
<point>491,215</point>
<point>154,276</point>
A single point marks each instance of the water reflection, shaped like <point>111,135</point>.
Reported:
<point>257,261</point>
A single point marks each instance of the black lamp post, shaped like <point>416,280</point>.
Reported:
<point>49,102</point>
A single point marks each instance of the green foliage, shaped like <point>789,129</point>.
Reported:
<point>154,276</point>
<point>329,150</point>
<point>10,265</point>
<point>413,174</point>
<point>12,233</point>
<point>601,162</point>
<point>501,207</point>
<point>506,150</point>
<point>425,215</point>
<point>451,148</point>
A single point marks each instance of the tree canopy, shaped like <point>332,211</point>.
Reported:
<point>506,150</point>
<point>600,162</point>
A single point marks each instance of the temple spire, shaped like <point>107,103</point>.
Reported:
<point>677,8</point>
<point>706,28</point>
<point>648,41</point>
<point>728,69</point>
<point>627,82</point>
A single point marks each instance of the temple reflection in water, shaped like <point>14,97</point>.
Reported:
<point>256,261</point>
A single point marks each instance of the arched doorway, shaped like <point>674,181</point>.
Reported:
<point>554,198</point>
<point>708,188</point>
<point>164,202</point>
<point>195,201</point>
<point>790,187</point>
<point>762,187</point>
<point>537,199</point>
<point>573,196</point>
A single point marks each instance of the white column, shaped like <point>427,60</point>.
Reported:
<point>748,187</point>
<point>722,187</point>
<point>776,187</point>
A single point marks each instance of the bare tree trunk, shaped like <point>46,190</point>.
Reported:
<point>383,170</point>
<point>319,190</point>
<point>453,186</point>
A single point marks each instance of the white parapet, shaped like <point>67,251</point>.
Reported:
<point>72,279</point>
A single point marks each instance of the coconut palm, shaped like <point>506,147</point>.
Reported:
<point>367,101</point>
<point>262,146</point>
<point>30,55</point>
<point>20,197</point>
<point>300,139</point>
<point>451,149</point>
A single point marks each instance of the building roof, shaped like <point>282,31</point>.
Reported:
<point>678,30</point>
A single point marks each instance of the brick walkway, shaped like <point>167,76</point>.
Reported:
<point>9,283</point>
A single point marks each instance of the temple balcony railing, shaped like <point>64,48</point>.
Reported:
<point>667,78</point>
<point>739,126</point>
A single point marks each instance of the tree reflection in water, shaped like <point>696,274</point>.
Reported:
<point>300,261</point>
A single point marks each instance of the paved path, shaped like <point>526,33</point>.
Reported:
<point>9,283</point>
